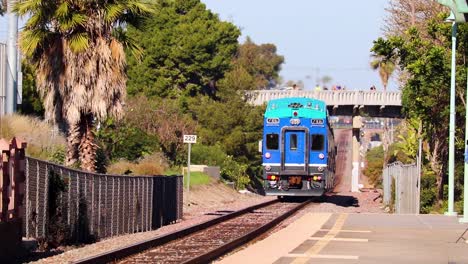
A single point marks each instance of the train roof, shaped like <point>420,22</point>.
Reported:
<point>307,107</point>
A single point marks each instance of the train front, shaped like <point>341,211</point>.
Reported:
<point>295,147</point>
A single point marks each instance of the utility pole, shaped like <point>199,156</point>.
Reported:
<point>451,165</point>
<point>12,58</point>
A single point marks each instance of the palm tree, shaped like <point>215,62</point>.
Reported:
<point>384,59</point>
<point>385,67</point>
<point>77,47</point>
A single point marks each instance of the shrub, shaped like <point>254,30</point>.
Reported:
<point>235,172</point>
<point>154,164</point>
<point>118,140</point>
<point>208,155</point>
<point>428,192</point>
<point>44,140</point>
<point>374,167</point>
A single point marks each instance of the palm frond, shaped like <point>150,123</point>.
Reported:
<point>79,42</point>
<point>124,9</point>
<point>73,21</point>
<point>27,6</point>
<point>63,10</point>
<point>113,12</point>
<point>129,43</point>
<point>375,64</point>
<point>31,40</point>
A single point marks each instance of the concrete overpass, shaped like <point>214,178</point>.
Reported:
<point>349,103</point>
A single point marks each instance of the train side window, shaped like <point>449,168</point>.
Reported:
<point>272,141</point>
<point>293,142</point>
<point>318,142</point>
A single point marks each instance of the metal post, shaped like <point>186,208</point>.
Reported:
<point>12,51</point>
<point>357,124</point>
<point>419,175</point>
<point>464,219</point>
<point>451,165</point>
<point>188,172</point>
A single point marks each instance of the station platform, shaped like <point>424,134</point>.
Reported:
<point>361,238</point>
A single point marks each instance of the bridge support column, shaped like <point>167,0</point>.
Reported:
<point>357,124</point>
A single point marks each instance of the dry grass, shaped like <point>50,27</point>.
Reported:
<point>43,140</point>
<point>154,164</point>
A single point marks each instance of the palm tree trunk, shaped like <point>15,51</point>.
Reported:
<point>87,146</point>
<point>73,142</point>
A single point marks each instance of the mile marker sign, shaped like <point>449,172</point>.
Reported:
<point>190,139</point>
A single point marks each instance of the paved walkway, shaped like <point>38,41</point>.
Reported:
<point>362,238</point>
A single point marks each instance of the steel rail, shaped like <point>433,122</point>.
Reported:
<point>123,252</point>
<point>222,250</point>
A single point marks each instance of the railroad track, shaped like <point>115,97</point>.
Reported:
<point>204,242</point>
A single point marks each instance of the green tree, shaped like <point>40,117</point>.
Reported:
<point>77,48</point>
<point>3,5</point>
<point>163,119</point>
<point>254,67</point>
<point>31,101</point>
<point>188,49</point>
<point>426,60</point>
<point>261,62</point>
<point>120,140</point>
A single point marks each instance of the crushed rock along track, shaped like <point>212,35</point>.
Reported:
<point>209,201</point>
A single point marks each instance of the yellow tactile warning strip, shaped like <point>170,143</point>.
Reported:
<point>340,239</point>
<point>323,242</point>
<point>280,243</point>
<point>349,231</point>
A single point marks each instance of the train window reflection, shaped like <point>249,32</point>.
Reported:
<point>272,141</point>
<point>293,142</point>
<point>317,142</point>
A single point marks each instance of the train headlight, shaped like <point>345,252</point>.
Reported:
<point>267,155</point>
<point>267,167</point>
<point>321,168</point>
<point>321,156</point>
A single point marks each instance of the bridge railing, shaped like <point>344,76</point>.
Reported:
<point>259,97</point>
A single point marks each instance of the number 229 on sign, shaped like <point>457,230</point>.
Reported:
<point>190,139</point>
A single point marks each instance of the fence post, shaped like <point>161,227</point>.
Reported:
<point>28,203</point>
<point>5,180</point>
<point>12,213</point>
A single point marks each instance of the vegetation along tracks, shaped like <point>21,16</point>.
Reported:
<point>206,241</point>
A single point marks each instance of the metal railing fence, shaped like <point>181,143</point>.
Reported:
<point>406,191</point>
<point>94,206</point>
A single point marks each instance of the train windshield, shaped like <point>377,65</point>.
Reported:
<point>318,142</point>
<point>272,141</point>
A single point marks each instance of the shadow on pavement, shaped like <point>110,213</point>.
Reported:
<point>339,200</point>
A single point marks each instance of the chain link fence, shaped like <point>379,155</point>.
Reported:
<point>87,206</point>
<point>401,188</point>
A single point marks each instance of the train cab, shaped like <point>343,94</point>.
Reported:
<point>296,148</point>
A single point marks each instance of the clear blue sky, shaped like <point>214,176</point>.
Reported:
<point>332,36</point>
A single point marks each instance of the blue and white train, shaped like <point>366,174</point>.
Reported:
<point>298,148</point>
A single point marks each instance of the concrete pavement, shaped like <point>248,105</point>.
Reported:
<point>362,238</point>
